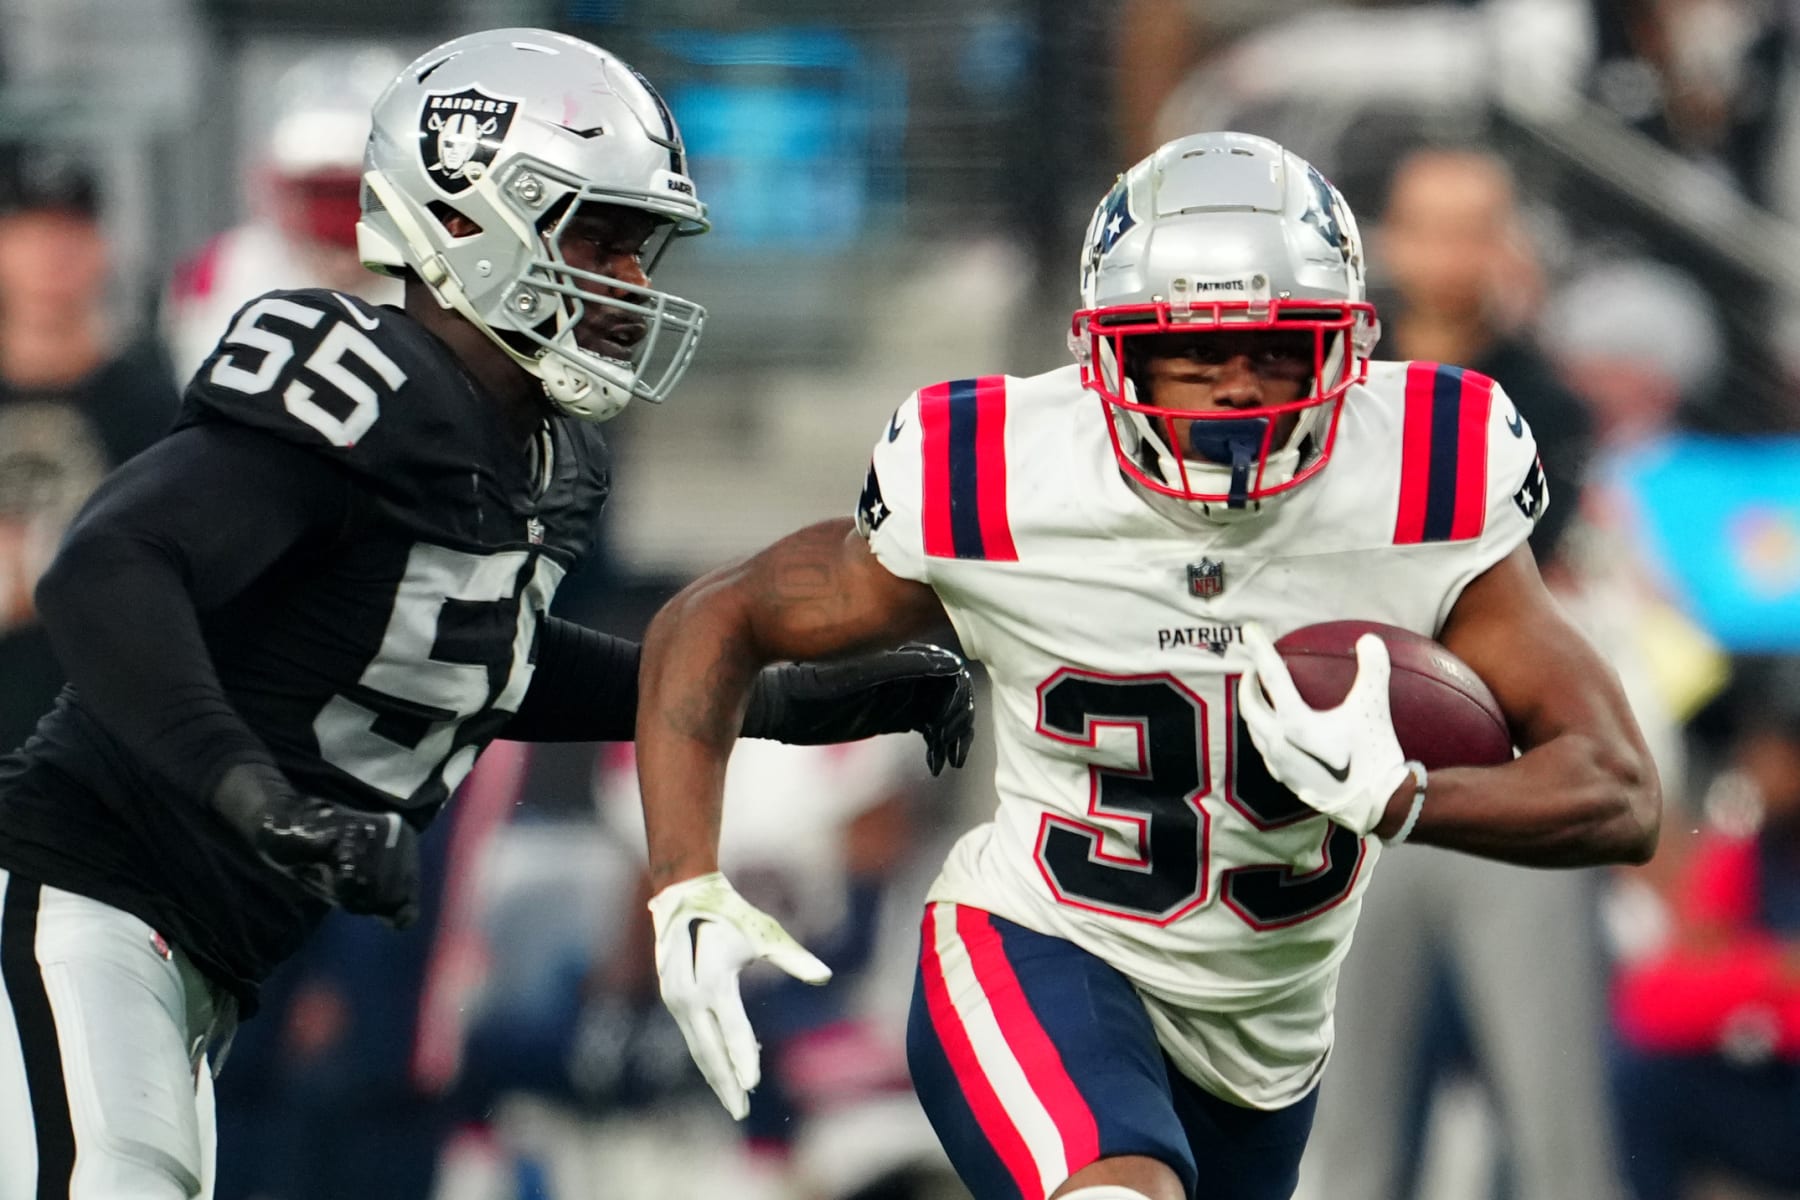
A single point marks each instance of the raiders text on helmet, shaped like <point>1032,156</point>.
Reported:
<point>1222,231</point>
<point>515,129</point>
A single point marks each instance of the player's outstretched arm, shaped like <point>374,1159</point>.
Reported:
<point>817,593</point>
<point>1585,789</point>
<point>585,689</point>
<point>917,687</point>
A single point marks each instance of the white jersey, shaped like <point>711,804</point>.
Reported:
<point>1130,820</point>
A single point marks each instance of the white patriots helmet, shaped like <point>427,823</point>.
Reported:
<point>1222,231</point>
<point>515,129</point>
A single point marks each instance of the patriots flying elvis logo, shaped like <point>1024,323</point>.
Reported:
<point>1322,213</point>
<point>1116,219</point>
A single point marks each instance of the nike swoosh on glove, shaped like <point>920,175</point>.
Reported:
<point>1344,762</point>
<point>705,934</point>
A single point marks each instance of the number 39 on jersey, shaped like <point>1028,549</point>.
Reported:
<point>1160,802</point>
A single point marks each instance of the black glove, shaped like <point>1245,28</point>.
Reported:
<point>361,862</point>
<point>916,687</point>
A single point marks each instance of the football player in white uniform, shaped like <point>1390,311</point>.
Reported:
<point>1126,977</point>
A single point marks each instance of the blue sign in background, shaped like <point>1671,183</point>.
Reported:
<point>793,133</point>
<point>1721,521</point>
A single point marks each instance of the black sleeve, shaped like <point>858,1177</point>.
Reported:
<point>817,704</point>
<point>176,532</point>
<point>585,689</point>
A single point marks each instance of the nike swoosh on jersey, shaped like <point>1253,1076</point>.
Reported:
<point>895,424</point>
<point>1516,423</point>
<point>368,323</point>
<point>1340,774</point>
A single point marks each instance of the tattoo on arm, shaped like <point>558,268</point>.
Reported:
<point>802,598</point>
<point>801,584</point>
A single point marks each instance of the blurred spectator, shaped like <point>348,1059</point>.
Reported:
<point>1639,341</point>
<point>1699,76</point>
<point>1708,1066</point>
<point>824,836</point>
<point>323,1100</point>
<point>1326,79</point>
<point>322,1106</point>
<point>1464,285</point>
<point>77,397</point>
<point>306,196</point>
<point>1515,952</point>
<point>1160,41</point>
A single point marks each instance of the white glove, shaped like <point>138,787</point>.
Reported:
<point>705,934</point>
<point>1345,761</point>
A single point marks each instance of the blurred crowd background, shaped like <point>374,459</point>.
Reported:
<point>1594,201</point>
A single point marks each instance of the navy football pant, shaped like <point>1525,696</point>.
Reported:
<point>1033,1059</point>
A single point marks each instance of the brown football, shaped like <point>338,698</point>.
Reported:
<point>1444,715</point>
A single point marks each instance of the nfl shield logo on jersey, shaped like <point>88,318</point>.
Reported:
<point>1206,578</point>
<point>459,134</point>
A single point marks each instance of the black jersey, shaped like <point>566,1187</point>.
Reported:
<point>369,604</point>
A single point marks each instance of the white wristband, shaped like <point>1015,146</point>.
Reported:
<point>1418,803</point>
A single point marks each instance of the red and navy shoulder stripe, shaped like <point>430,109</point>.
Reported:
<point>962,427</point>
<point>1443,454</point>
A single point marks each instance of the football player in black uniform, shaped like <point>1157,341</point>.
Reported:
<point>293,624</point>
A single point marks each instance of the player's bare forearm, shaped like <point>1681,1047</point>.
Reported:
<point>814,594</point>
<point>1585,790</point>
<point>1571,802</point>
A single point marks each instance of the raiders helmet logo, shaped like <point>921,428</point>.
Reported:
<point>460,133</point>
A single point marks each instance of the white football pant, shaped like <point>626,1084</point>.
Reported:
<point>103,1036</point>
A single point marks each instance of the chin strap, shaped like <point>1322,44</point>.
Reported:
<point>1231,443</point>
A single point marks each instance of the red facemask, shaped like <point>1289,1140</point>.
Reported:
<point>1240,442</point>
